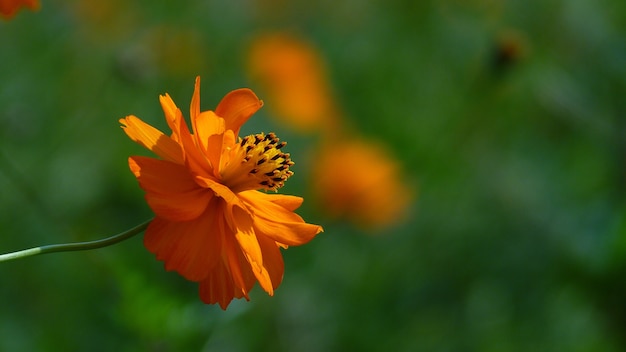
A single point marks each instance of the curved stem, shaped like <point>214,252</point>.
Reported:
<point>80,246</point>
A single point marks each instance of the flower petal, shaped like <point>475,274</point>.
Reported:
<point>288,202</point>
<point>207,128</point>
<point>209,135</point>
<point>172,115</point>
<point>218,287</point>
<point>244,233</point>
<point>152,139</point>
<point>191,248</point>
<point>238,265</point>
<point>222,191</point>
<point>171,191</point>
<point>194,108</point>
<point>195,159</point>
<point>232,277</point>
<point>237,107</point>
<point>276,222</point>
<point>272,260</point>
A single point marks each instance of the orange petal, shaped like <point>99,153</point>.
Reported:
<point>191,248</point>
<point>173,115</point>
<point>171,191</point>
<point>288,202</point>
<point>220,190</point>
<point>237,107</point>
<point>194,108</point>
<point>232,276</point>
<point>206,125</point>
<point>152,139</point>
<point>272,260</point>
<point>195,159</point>
<point>209,134</point>
<point>244,233</point>
<point>238,265</point>
<point>276,222</point>
<point>218,287</point>
<point>228,140</point>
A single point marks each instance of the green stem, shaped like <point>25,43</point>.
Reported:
<point>80,246</point>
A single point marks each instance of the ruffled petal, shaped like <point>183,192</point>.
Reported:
<point>191,248</point>
<point>195,158</point>
<point>222,191</point>
<point>194,108</point>
<point>232,277</point>
<point>228,151</point>
<point>272,260</point>
<point>288,202</point>
<point>173,115</point>
<point>244,233</point>
<point>276,222</point>
<point>207,128</point>
<point>237,107</point>
<point>238,265</point>
<point>152,139</point>
<point>209,135</point>
<point>218,287</point>
<point>171,191</point>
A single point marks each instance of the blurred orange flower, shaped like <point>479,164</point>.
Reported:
<point>359,181</point>
<point>212,224</point>
<point>294,77</point>
<point>8,8</point>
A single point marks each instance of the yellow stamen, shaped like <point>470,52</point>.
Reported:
<point>257,163</point>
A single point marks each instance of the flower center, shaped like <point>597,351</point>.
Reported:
<point>257,163</point>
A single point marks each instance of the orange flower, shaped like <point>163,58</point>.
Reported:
<point>292,73</point>
<point>212,224</point>
<point>364,185</point>
<point>8,8</point>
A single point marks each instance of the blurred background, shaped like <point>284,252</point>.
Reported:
<point>466,159</point>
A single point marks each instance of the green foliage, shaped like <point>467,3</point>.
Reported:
<point>508,116</point>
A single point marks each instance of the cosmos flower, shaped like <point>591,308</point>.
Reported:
<point>293,75</point>
<point>8,8</point>
<point>214,225</point>
<point>364,186</point>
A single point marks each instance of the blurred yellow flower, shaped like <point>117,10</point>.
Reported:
<point>358,181</point>
<point>291,73</point>
<point>8,8</point>
<point>212,224</point>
